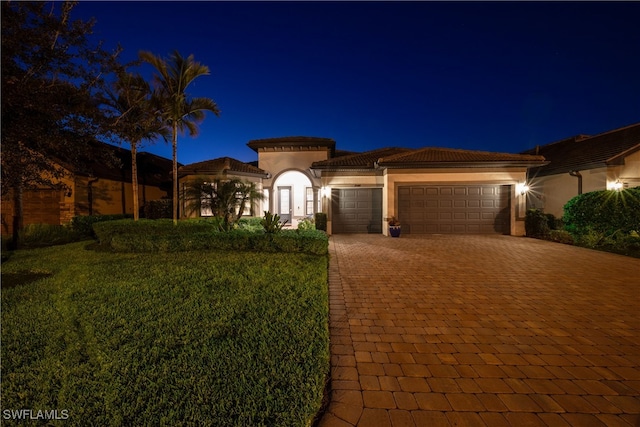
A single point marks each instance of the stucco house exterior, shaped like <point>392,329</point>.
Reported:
<point>96,188</point>
<point>583,163</point>
<point>429,190</point>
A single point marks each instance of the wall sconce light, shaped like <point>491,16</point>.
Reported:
<point>325,191</point>
<point>616,186</point>
<point>522,188</point>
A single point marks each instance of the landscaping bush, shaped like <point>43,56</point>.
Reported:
<point>164,236</point>
<point>536,224</point>
<point>603,212</point>
<point>321,221</point>
<point>307,223</point>
<point>561,236</point>
<point>84,224</point>
<point>250,223</point>
<point>41,235</point>
<point>193,338</point>
<point>157,209</point>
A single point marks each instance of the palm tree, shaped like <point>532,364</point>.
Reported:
<point>226,198</point>
<point>179,111</point>
<point>136,120</point>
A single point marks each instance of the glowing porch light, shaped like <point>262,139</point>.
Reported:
<point>522,188</point>
<point>616,186</point>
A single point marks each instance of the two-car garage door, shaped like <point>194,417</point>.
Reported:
<point>425,209</point>
<point>454,209</point>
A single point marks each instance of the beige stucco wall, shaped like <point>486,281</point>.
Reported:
<point>110,197</point>
<point>282,164</point>
<point>276,162</point>
<point>552,192</point>
<point>628,174</point>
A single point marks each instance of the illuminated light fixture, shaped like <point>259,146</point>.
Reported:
<point>325,191</point>
<point>522,188</point>
<point>616,186</point>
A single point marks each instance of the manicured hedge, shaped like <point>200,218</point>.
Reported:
<point>83,224</point>
<point>164,236</point>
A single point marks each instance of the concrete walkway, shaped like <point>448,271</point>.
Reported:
<point>481,330</point>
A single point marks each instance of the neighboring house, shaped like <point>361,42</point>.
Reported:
<point>584,163</point>
<point>96,188</point>
<point>430,190</point>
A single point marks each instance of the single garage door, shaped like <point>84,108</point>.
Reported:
<point>356,210</point>
<point>454,209</point>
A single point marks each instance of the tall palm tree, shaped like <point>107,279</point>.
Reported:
<point>179,111</point>
<point>136,120</point>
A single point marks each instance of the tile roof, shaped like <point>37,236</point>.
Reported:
<point>430,156</point>
<point>220,165</point>
<point>587,152</point>
<point>445,156</point>
<point>364,160</point>
<point>108,161</point>
<point>292,141</point>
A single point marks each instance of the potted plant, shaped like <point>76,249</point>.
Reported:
<point>394,227</point>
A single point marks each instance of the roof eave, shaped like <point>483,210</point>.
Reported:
<point>444,165</point>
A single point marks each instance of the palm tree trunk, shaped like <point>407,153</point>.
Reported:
<point>134,181</point>
<point>18,216</point>
<point>175,172</point>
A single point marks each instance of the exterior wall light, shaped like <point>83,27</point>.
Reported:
<point>616,186</point>
<point>522,188</point>
<point>325,191</point>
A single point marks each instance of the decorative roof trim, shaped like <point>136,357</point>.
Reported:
<point>292,141</point>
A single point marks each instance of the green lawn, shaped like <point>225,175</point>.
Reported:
<point>189,338</point>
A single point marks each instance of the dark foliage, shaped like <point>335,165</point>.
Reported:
<point>83,224</point>
<point>536,223</point>
<point>606,212</point>
<point>321,221</point>
<point>157,209</point>
<point>53,81</point>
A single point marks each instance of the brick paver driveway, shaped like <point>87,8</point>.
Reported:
<point>476,330</point>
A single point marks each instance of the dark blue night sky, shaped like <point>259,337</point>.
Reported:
<point>497,76</point>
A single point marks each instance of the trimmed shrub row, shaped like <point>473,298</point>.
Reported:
<point>163,236</point>
<point>84,224</point>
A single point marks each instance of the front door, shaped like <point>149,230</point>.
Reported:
<point>284,204</point>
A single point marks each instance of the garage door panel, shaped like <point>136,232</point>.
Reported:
<point>456,209</point>
<point>358,210</point>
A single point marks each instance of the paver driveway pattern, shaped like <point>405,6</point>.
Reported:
<point>481,330</point>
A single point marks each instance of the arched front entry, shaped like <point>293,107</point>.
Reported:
<point>293,197</point>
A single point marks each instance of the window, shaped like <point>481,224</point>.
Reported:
<point>309,201</point>
<point>205,200</point>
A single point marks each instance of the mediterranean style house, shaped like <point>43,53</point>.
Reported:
<point>429,190</point>
<point>95,189</point>
<point>583,163</point>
